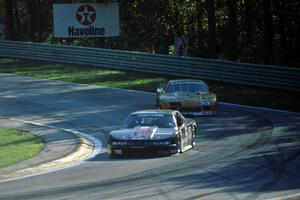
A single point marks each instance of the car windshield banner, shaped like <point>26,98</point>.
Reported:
<point>86,20</point>
<point>143,132</point>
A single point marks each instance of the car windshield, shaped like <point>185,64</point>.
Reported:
<point>192,87</point>
<point>149,119</point>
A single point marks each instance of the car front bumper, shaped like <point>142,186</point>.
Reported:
<point>191,109</point>
<point>141,149</point>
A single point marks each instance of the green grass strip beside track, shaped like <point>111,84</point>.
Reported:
<point>16,146</point>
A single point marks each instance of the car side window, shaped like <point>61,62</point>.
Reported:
<point>166,87</point>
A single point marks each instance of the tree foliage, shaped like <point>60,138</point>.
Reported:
<point>259,31</point>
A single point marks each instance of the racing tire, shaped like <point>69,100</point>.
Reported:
<point>193,143</point>
<point>179,146</point>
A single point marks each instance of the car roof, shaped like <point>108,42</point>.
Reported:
<point>155,111</point>
<point>185,80</point>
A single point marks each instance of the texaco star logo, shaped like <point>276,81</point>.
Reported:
<point>86,14</point>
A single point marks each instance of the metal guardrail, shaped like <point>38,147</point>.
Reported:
<point>286,78</point>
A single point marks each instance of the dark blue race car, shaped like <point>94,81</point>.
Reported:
<point>160,131</point>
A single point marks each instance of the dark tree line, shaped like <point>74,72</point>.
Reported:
<point>255,31</point>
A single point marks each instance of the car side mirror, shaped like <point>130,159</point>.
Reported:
<point>179,123</point>
<point>159,90</point>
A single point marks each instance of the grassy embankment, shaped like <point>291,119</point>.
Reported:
<point>231,93</point>
<point>16,146</point>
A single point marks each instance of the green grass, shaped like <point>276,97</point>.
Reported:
<point>82,74</point>
<point>231,93</point>
<point>16,146</point>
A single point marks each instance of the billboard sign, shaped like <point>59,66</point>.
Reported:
<point>86,20</point>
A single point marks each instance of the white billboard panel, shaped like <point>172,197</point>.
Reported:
<point>86,20</point>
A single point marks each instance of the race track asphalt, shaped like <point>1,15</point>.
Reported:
<point>242,153</point>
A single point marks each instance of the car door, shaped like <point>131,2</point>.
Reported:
<point>189,134</point>
<point>182,129</point>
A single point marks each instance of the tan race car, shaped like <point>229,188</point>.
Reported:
<point>188,96</point>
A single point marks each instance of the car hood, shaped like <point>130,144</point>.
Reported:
<point>143,133</point>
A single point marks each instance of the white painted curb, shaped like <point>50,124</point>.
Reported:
<point>59,164</point>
